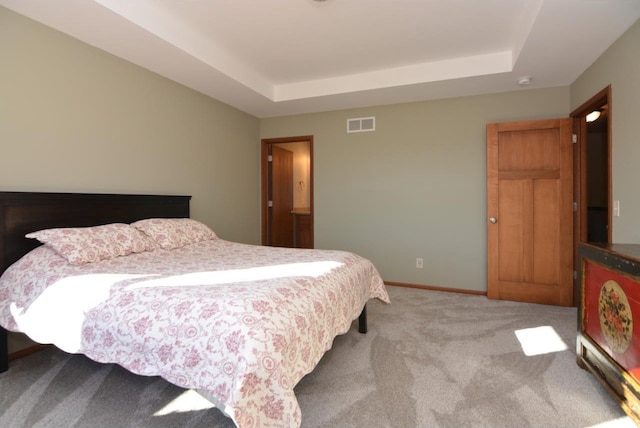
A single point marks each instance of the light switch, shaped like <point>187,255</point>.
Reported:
<point>616,208</point>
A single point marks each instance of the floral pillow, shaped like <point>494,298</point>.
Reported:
<point>82,245</point>
<point>172,233</point>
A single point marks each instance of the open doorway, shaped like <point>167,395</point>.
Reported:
<point>592,124</point>
<point>592,173</point>
<point>598,175</point>
<point>287,192</point>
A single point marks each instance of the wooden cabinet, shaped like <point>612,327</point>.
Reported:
<point>302,229</point>
<point>608,342</point>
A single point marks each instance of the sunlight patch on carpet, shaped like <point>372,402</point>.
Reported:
<point>625,422</point>
<point>540,340</point>
<point>188,401</point>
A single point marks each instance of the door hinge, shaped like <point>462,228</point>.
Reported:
<point>270,158</point>
<point>574,138</point>
<point>575,207</point>
<point>270,204</point>
<point>575,274</point>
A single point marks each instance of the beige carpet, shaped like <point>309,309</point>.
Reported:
<point>430,359</point>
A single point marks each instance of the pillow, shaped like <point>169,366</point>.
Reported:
<point>172,233</point>
<point>82,245</point>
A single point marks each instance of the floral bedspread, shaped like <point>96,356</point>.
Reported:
<point>242,323</point>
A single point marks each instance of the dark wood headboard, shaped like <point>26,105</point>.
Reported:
<point>25,212</point>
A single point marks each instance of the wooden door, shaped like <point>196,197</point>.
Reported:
<point>530,211</point>
<point>281,185</point>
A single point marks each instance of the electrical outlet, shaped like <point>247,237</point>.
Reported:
<point>419,263</point>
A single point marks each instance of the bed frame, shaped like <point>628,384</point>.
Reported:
<point>25,212</point>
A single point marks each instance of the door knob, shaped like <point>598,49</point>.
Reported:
<point>493,220</point>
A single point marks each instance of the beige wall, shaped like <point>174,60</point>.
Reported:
<point>416,186</point>
<point>619,67</point>
<point>74,118</point>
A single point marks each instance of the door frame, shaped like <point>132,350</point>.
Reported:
<point>580,222</point>
<point>264,180</point>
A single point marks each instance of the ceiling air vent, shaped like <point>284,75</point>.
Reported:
<point>361,124</point>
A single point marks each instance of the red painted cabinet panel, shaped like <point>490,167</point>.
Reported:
<point>608,342</point>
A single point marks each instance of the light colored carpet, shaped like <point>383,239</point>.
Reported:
<point>430,359</point>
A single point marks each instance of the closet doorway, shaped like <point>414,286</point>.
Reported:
<point>593,172</point>
<point>592,175</point>
<point>287,192</point>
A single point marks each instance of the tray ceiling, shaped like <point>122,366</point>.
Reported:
<point>281,57</point>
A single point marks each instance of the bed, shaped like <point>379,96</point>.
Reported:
<point>242,324</point>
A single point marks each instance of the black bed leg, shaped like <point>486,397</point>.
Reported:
<point>362,321</point>
<point>4,351</point>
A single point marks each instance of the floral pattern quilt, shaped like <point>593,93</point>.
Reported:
<point>242,323</point>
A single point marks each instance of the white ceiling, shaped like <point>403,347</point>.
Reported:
<point>280,57</point>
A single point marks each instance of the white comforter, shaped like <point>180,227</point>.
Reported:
<point>243,323</point>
